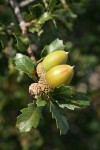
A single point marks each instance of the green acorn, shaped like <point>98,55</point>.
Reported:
<point>55,58</point>
<point>59,75</point>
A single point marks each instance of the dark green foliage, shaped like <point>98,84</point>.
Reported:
<point>62,96</point>
<point>78,25</point>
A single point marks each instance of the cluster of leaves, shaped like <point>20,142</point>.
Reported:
<point>60,97</point>
<point>78,25</point>
<point>51,12</point>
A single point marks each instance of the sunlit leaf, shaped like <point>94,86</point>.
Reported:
<point>45,17</point>
<point>75,101</point>
<point>29,118</point>
<point>25,64</point>
<point>69,106</point>
<point>55,45</point>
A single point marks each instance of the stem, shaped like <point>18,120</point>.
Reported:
<point>23,25</point>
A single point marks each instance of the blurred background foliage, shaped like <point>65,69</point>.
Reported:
<point>77,23</point>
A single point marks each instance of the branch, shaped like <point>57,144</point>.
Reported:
<point>25,3</point>
<point>23,25</point>
<point>18,14</point>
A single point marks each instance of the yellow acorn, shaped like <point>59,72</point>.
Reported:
<point>55,58</point>
<point>59,75</point>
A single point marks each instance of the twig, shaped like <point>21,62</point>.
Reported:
<point>31,22</point>
<point>25,3</point>
<point>23,25</point>
<point>18,14</point>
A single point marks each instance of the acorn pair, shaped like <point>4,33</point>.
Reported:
<point>57,71</point>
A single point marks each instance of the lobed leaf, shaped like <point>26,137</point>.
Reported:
<point>81,99</point>
<point>75,101</point>
<point>61,120</point>
<point>29,118</point>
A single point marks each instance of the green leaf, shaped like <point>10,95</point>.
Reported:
<point>29,118</point>
<point>67,103</point>
<point>65,99</point>
<point>32,29</point>
<point>37,27</point>
<point>22,43</point>
<point>41,100</point>
<point>45,17</point>
<point>55,45</point>
<point>62,93</point>
<point>63,90</point>
<point>75,101</point>
<point>80,99</point>
<point>61,120</point>
<point>69,106</point>
<point>34,8</point>
<point>25,64</point>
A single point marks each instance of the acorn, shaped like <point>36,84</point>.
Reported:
<point>59,75</point>
<point>55,58</point>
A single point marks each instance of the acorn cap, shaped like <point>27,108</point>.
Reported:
<point>40,69</point>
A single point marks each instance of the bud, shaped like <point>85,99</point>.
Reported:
<point>55,58</point>
<point>59,75</point>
